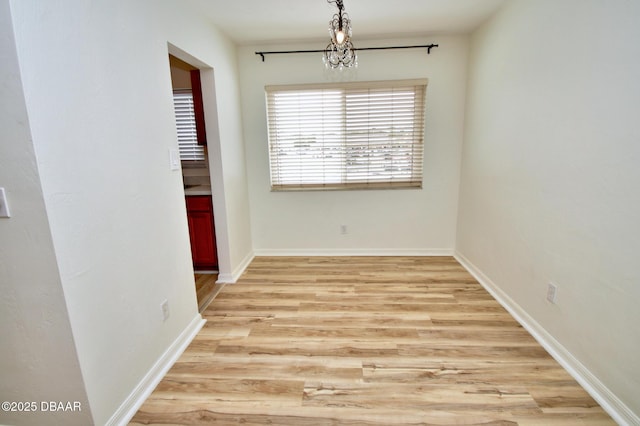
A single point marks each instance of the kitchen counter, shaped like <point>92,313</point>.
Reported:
<point>197,190</point>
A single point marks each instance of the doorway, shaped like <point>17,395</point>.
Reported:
<point>193,148</point>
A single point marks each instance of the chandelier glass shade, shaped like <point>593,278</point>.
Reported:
<point>340,52</point>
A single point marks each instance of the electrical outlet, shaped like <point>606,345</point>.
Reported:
<point>343,229</point>
<point>4,207</point>
<point>552,293</point>
<point>164,307</point>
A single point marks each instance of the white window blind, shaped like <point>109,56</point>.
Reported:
<point>186,125</point>
<point>350,135</point>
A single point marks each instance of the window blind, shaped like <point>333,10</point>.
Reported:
<point>350,135</point>
<point>186,125</point>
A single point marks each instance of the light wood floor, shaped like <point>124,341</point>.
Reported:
<point>206,289</point>
<point>364,341</point>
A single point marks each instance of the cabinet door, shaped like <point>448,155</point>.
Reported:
<point>202,233</point>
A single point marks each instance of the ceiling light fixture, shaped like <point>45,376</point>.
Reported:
<point>340,51</point>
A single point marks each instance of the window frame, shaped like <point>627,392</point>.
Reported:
<point>359,137</point>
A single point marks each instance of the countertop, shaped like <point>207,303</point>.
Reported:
<point>197,190</point>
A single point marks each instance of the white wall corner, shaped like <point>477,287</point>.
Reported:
<point>619,411</point>
<point>141,392</point>
<point>226,278</point>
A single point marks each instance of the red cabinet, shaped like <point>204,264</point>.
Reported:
<point>202,232</point>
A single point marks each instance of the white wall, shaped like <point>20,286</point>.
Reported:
<point>378,221</point>
<point>550,176</point>
<point>98,94</point>
<point>33,315</point>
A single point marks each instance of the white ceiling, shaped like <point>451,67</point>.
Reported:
<point>270,21</point>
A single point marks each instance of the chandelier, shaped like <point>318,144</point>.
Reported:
<point>340,52</point>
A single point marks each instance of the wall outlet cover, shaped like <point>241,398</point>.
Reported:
<point>165,310</point>
<point>174,159</point>
<point>4,206</point>
<point>552,292</point>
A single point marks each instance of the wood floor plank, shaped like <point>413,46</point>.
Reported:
<point>470,372</point>
<point>364,341</point>
<point>233,413</point>
<point>267,370</point>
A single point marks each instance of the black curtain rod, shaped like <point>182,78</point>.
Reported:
<point>427,46</point>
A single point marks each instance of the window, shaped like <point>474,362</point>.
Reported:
<point>186,124</point>
<point>343,136</point>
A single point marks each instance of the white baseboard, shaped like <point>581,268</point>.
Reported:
<point>136,398</point>
<point>354,252</point>
<point>231,278</point>
<point>619,411</point>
